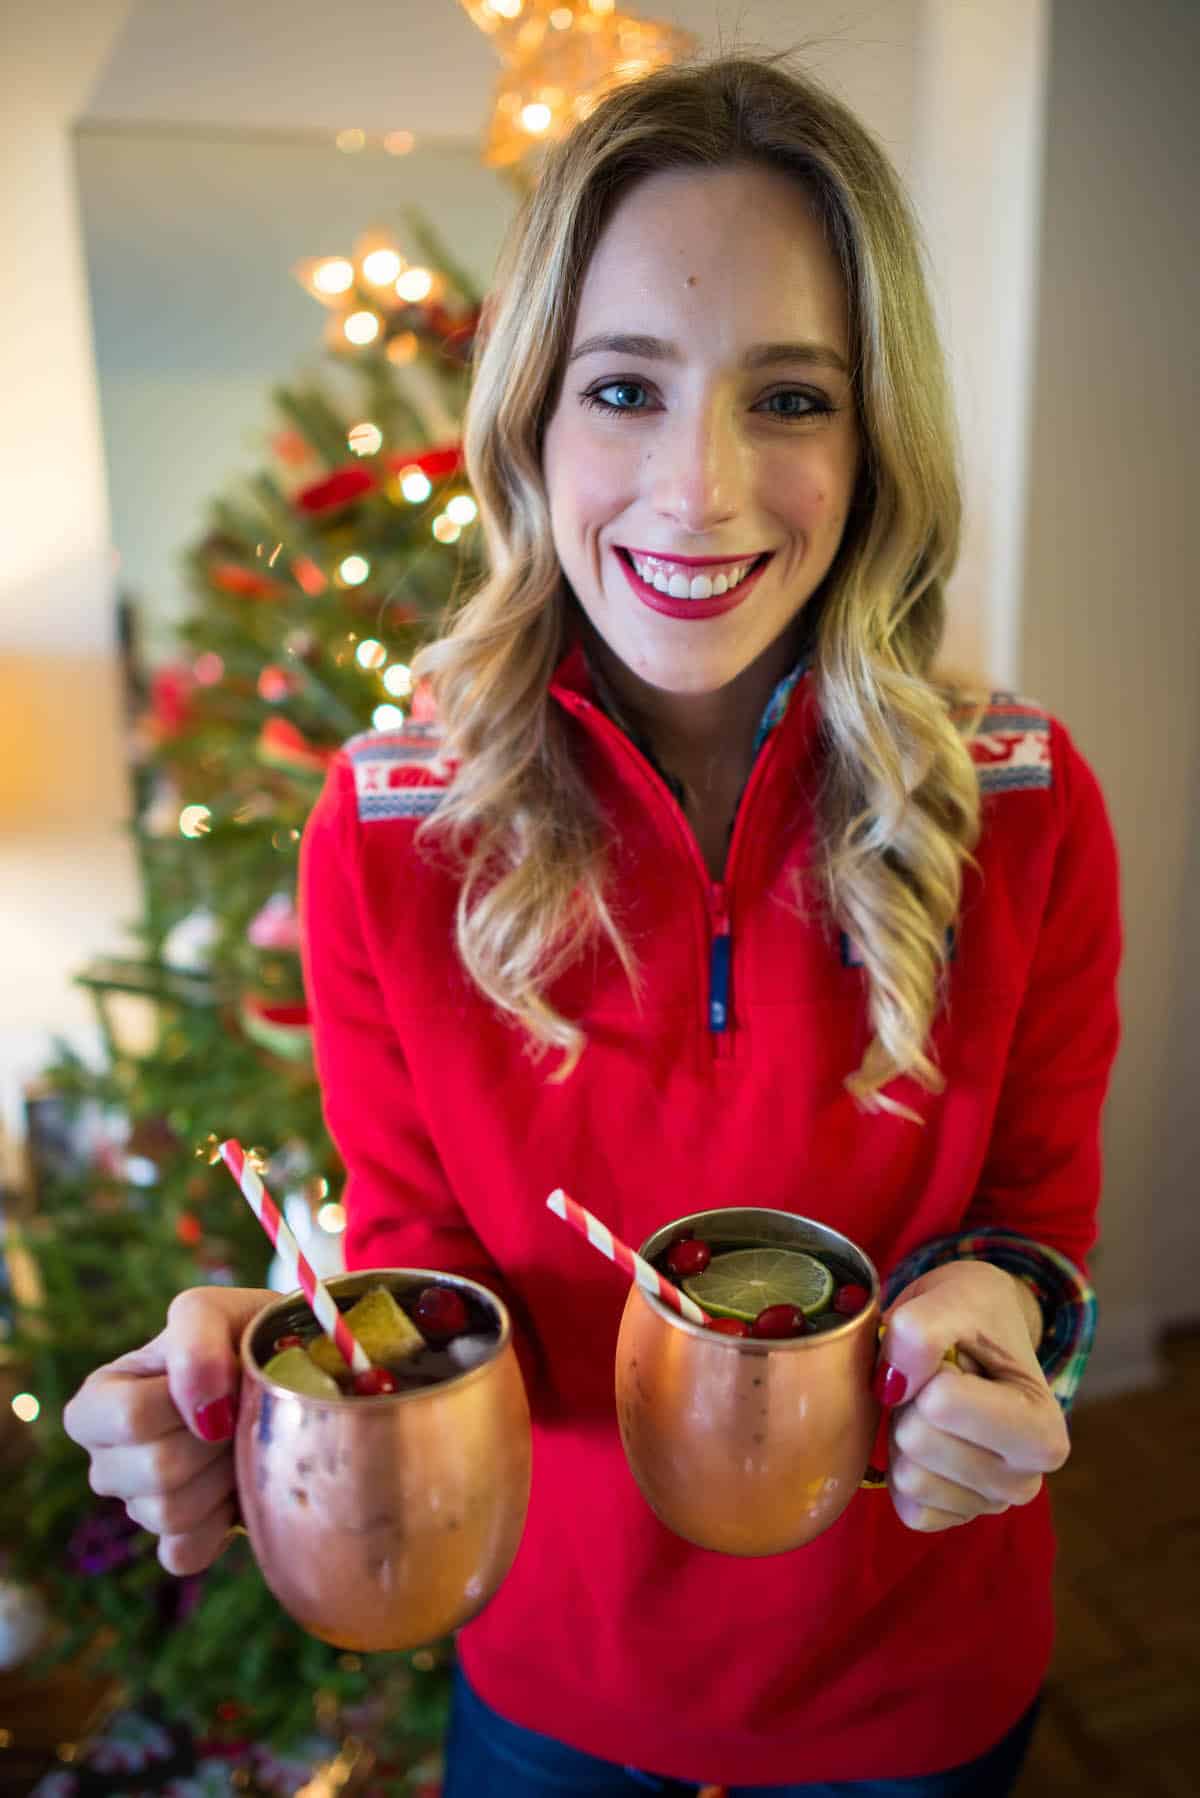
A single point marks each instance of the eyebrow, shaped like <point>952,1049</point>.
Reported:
<point>759,355</point>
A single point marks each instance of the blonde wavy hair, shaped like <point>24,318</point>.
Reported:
<point>899,809</point>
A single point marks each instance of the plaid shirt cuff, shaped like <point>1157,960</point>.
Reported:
<point>1067,1300</point>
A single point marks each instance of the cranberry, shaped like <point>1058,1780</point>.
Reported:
<point>286,1342</point>
<point>848,1301</point>
<point>440,1313</point>
<point>689,1256</point>
<point>781,1320</point>
<point>729,1326</point>
<point>374,1381</point>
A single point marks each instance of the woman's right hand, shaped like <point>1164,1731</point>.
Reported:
<point>158,1425</point>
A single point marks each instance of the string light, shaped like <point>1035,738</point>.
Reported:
<point>337,275</point>
<point>414,285</point>
<point>445,529</point>
<point>365,439</point>
<point>26,1406</point>
<point>354,570</point>
<point>370,654</point>
<point>381,267</point>
<point>415,485</point>
<point>362,327</point>
<point>462,509</point>
<point>195,820</point>
<point>332,1217</point>
<point>398,680</point>
<point>387,717</point>
<point>351,141</point>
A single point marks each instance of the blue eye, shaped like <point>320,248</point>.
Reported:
<point>816,407</point>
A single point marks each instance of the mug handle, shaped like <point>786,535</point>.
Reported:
<point>875,1478</point>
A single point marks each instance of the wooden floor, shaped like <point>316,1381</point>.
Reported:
<point>1122,1708</point>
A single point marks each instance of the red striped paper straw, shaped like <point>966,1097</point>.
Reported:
<point>289,1251</point>
<point>602,1238</point>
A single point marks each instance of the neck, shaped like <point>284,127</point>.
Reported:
<point>706,740</point>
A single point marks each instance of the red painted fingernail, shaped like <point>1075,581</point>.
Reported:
<point>889,1384</point>
<point>215,1421</point>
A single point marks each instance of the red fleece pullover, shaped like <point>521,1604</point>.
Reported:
<point>874,1651</point>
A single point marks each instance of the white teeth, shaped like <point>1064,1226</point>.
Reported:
<point>677,586</point>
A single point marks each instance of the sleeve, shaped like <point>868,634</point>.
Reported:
<point>1042,1171</point>
<point>401,1211</point>
<point>1065,1295</point>
<point>1034,1211</point>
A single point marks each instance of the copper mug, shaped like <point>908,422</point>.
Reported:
<point>383,1523</point>
<point>747,1445</point>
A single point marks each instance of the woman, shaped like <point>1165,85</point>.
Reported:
<point>793,918</point>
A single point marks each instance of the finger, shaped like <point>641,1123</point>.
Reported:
<point>115,1406</point>
<point>931,1491</point>
<point>146,1468</point>
<point>204,1328</point>
<point>186,1508</point>
<point>972,1306</point>
<point>925,1518</point>
<point>964,1464</point>
<point>198,1548</point>
<point>1023,1425</point>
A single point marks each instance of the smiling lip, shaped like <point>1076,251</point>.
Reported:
<point>690,561</point>
<point>689,608</point>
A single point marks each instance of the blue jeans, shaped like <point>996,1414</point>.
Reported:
<point>489,1757</point>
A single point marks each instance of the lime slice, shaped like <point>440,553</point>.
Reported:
<point>744,1282</point>
<point>294,1368</point>
<point>386,1332</point>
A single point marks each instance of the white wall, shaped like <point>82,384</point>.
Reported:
<point>978,121</point>
<point>66,876</point>
<point>1110,633</point>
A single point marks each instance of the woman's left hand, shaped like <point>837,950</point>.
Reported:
<point>971,1442</point>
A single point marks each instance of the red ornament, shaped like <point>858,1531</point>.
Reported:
<point>435,463</point>
<point>171,709</point>
<point>729,1326</point>
<point>232,578</point>
<point>274,684</point>
<point>849,1300</point>
<point>282,745</point>
<point>341,488</point>
<point>778,1321</point>
<point>440,1313</point>
<point>375,1381</point>
<point>688,1256</point>
<point>309,578</point>
<point>228,1711</point>
<point>292,447</point>
<point>188,1229</point>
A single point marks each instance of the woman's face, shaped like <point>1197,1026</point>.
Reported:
<point>704,454</point>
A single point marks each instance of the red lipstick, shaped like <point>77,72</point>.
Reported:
<point>689,608</point>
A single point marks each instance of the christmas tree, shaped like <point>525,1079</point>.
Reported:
<point>313,585</point>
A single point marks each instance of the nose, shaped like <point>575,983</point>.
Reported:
<point>699,469</point>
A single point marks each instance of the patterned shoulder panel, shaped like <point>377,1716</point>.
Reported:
<point>399,773</point>
<point>1011,748</point>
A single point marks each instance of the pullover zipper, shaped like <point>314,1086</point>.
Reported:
<point>720,957</point>
<point>716,892</point>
